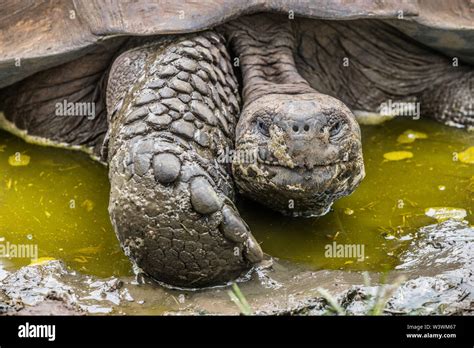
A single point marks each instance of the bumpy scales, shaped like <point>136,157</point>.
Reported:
<point>173,106</point>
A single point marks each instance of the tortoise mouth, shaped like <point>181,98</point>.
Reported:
<point>303,167</point>
<point>299,191</point>
<point>308,181</point>
<point>313,179</point>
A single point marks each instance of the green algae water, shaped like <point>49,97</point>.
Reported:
<point>416,172</point>
<point>57,200</point>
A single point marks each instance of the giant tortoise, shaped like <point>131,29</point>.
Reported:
<point>184,99</point>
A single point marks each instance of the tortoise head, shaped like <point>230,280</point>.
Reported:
<point>307,153</point>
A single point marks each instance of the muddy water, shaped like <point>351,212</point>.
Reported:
<point>57,200</point>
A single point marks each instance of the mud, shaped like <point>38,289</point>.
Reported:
<point>435,277</point>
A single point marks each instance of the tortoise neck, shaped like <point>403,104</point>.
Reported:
<point>264,47</point>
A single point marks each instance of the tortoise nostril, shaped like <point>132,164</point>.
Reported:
<point>295,128</point>
<point>306,128</point>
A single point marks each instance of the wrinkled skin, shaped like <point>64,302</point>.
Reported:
<point>309,153</point>
<point>308,143</point>
<point>174,107</point>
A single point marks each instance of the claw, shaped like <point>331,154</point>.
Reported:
<point>253,252</point>
<point>232,226</point>
<point>203,196</point>
<point>166,167</point>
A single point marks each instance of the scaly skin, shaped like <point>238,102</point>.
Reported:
<point>172,107</point>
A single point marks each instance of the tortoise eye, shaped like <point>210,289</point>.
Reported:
<point>262,127</point>
<point>335,128</point>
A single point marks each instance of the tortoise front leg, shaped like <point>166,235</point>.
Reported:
<point>172,106</point>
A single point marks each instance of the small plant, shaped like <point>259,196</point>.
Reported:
<point>384,292</point>
<point>332,302</point>
<point>239,299</point>
<point>377,307</point>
